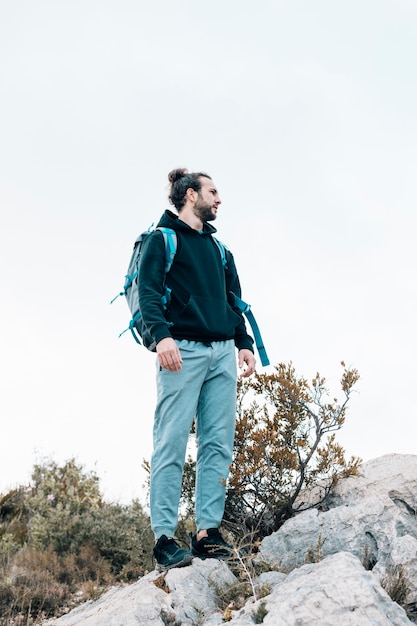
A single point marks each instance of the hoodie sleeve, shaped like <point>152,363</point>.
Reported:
<point>242,339</point>
<point>151,281</point>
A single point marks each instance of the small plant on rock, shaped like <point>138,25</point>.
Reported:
<point>169,619</point>
<point>396,585</point>
<point>315,554</point>
<point>260,613</point>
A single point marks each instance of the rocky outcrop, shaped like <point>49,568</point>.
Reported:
<point>372,516</point>
<point>331,565</point>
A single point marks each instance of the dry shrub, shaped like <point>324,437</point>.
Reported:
<point>36,588</point>
<point>43,584</point>
<point>87,565</point>
<point>6,598</point>
<point>396,585</point>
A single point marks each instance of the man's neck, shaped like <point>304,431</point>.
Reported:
<point>188,216</point>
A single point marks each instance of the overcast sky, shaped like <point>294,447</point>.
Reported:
<point>305,115</point>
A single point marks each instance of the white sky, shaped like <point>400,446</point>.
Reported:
<point>304,113</point>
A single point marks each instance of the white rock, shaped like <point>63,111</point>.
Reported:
<point>369,514</point>
<point>370,519</point>
<point>187,595</point>
<point>387,474</point>
<point>338,590</point>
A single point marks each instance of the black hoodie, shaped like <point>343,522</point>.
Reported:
<point>199,309</point>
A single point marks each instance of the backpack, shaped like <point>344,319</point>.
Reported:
<point>131,292</point>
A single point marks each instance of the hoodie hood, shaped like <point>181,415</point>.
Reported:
<point>171,220</point>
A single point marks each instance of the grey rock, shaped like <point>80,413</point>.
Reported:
<point>338,590</point>
<point>334,566</point>
<point>186,595</point>
<point>271,578</point>
<point>368,515</point>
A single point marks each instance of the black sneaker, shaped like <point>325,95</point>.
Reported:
<point>168,554</point>
<point>211,547</point>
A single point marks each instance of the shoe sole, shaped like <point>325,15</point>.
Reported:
<point>203,557</point>
<point>164,568</point>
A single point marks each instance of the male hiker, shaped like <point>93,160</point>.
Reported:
<point>195,341</point>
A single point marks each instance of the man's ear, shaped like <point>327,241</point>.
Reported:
<point>191,194</point>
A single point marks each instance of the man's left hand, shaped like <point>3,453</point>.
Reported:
<point>247,362</point>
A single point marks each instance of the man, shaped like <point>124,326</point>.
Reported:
<point>196,366</point>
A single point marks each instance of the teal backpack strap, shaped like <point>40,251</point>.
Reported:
<point>245,308</point>
<point>222,249</point>
<point>170,239</point>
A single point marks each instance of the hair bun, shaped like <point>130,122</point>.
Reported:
<point>180,180</point>
<point>177,174</point>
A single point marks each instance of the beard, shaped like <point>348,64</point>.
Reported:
<point>204,211</point>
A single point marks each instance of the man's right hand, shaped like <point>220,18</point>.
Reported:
<point>169,356</point>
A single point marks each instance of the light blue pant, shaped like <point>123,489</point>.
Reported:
<point>204,389</point>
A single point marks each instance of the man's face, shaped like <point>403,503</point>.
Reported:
<point>208,201</point>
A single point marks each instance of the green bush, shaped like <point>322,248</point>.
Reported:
<point>122,535</point>
<point>59,540</point>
